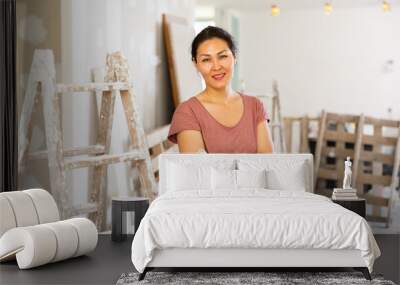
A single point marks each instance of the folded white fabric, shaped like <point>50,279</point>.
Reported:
<point>31,232</point>
<point>26,208</point>
<point>7,220</point>
<point>40,244</point>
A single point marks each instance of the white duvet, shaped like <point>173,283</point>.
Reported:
<point>252,218</point>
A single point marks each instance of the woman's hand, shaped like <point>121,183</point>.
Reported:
<point>190,141</point>
<point>264,141</point>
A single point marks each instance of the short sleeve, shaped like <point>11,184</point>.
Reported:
<point>261,114</point>
<point>183,119</point>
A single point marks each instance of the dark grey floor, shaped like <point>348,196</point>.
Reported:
<point>103,266</point>
<point>389,262</point>
<point>110,260</point>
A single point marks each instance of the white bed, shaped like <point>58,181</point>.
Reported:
<point>200,223</point>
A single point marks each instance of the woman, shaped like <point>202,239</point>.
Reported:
<point>218,119</point>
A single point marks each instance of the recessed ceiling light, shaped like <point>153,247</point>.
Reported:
<point>275,10</point>
<point>328,8</point>
<point>385,6</point>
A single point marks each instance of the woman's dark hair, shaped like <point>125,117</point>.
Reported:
<point>209,33</point>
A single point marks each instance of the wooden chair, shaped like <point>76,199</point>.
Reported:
<point>374,148</point>
<point>158,143</point>
<point>379,166</point>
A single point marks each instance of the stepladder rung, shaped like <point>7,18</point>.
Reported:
<point>90,87</point>
<point>86,150</point>
<point>84,209</point>
<point>104,159</point>
<point>276,125</point>
<point>377,219</point>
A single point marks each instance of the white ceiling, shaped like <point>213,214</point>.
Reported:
<point>292,4</point>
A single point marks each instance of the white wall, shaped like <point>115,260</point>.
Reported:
<point>91,29</point>
<point>334,62</point>
<point>38,27</point>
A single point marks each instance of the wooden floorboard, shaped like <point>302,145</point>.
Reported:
<point>111,259</point>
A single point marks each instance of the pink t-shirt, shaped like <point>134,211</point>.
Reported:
<point>241,138</point>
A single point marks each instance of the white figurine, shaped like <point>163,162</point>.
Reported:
<point>347,174</point>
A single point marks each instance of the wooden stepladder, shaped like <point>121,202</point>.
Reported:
<point>276,124</point>
<point>42,82</point>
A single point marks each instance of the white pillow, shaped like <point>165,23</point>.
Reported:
<point>236,179</point>
<point>223,179</point>
<point>281,174</point>
<point>181,177</point>
<point>201,160</point>
<point>251,178</point>
<point>293,179</point>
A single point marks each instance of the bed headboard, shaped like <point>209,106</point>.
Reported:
<point>212,159</point>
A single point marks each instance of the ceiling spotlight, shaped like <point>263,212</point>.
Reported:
<point>385,6</point>
<point>275,10</point>
<point>328,8</point>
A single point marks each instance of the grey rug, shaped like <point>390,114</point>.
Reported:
<point>230,278</point>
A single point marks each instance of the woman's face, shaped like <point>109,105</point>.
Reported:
<point>215,62</point>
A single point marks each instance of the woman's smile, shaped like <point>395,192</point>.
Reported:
<point>218,76</point>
